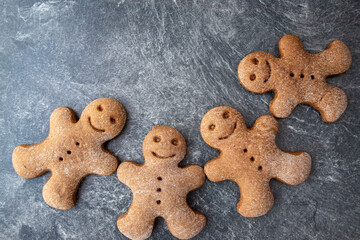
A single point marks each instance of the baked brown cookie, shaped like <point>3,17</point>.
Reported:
<point>250,158</point>
<point>298,77</point>
<point>160,187</point>
<point>72,150</point>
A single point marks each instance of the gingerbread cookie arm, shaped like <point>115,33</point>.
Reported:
<point>267,125</point>
<point>332,104</point>
<point>128,171</point>
<point>138,222</point>
<point>104,163</point>
<point>183,222</point>
<point>61,119</point>
<point>334,60</point>
<point>193,176</point>
<point>292,168</point>
<point>59,195</point>
<point>256,198</point>
<point>216,170</point>
<point>29,161</point>
<point>290,47</point>
<point>283,104</point>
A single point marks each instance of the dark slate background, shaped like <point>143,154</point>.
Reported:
<point>169,62</point>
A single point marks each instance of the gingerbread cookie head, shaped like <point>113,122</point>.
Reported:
<point>221,124</point>
<point>104,117</point>
<point>298,77</point>
<point>255,72</point>
<point>164,144</point>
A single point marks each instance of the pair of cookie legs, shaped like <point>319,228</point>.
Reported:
<point>256,197</point>
<point>331,105</point>
<point>182,221</point>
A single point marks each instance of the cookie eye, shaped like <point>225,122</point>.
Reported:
<point>211,127</point>
<point>292,75</point>
<point>226,115</point>
<point>255,61</point>
<point>301,75</point>
<point>99,108</point>
<point>252,77</point>
<point>157,139</point>
<point>312,77</point>
<point>112,120</point>
<point>252,159</point>
<point>260,168</point>
<point>174,142</point>
<point>77,143</point>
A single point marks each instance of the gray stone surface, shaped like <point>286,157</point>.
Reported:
<point>169,62</point>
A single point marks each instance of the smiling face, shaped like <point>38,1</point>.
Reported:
<point>164,143</point>
<point>255,72</point>
<point>105,117</point>
<point>220,124</point>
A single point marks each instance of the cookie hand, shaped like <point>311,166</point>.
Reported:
<point>29,161</point>
<point>267,125</point>
<point>216,171</point>
<point>128,172</point>
<point>103,163</point>
<point>336,59</point>
<point>61,118</point>
<point>193,176</point>
<point>292,168</point>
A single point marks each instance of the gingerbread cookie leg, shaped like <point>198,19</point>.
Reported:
<point>137,223</point>
<point>283,104</point>
<point>292,168</point>
<point>183,222</point>
<point>28,161</point>
<point>332,104</point>
<point>60,191</point>
<point>256,198</point>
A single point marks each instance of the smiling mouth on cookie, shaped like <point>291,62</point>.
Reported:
<point>221,138</point>
<point>162,157</point>
<point>96,129</point>
<point>269,74</point>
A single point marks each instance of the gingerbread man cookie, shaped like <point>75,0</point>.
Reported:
<point>160,187</point>
<point>298,77</point>
<point>72,150</point>
<point>250,158</point>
